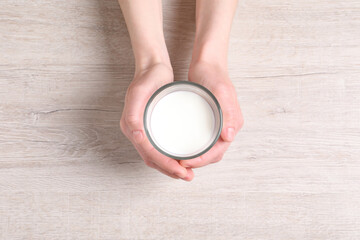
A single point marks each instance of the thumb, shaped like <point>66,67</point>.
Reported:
<point>232,122</point>
<point>135,127</point>
<point>133,116</point>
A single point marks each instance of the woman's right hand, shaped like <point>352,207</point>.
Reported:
<point>145,83</point>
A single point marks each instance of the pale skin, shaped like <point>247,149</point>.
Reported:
<point>153,69</point>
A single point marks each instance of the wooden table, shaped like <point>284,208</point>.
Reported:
<point>67,172</point>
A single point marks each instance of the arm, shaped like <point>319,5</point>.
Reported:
<point>144,22</point>
<point>209,68</point>
<point>213,25</point>
<point>152,70</point>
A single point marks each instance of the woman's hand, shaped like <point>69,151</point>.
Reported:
<point>152,70</point>
<point>216,79</point>
<point>209,68</point>
<point>145,83</point>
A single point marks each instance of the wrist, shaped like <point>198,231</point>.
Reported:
<point>150,54</point>
<point>210,71</point>
<point>213,52</point>
<point>146,58</point>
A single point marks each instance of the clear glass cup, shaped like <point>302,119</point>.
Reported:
<point>194,88</point>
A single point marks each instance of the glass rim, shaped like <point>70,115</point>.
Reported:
<point>207,91</point>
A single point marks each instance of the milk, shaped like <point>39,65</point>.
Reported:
<point>182,123</point>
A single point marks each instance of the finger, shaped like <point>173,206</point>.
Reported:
<point>215,154</point>
<point>190,175</point>
<point>151,156</point>
<point>151,161</point>
<point>232,120</point>
<point>134,113</point>
<point>164,172</point>
<point>168,165</point>
<point>153,165</point>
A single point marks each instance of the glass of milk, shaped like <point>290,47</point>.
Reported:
<point>183,120</point>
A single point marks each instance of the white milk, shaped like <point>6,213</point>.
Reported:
<point>182,122</point>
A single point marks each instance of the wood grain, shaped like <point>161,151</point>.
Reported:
<point>66,171</point>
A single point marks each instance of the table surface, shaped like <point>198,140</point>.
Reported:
<point>67,172</point>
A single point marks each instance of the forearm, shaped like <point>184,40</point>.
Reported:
<point>144,22</point>
<point>213,25</point>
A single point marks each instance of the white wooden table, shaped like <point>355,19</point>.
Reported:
<point>67,172</point>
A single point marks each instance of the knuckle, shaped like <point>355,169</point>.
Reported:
<point>234,118</point>
<point>240,123</point>
<point>176,172</point>
<point>148,162</point>
<point>218,158</point>
<point>222,89</point>
<point>186,163</point>
<point>202,161</point>
<point>132,120</point>
<point>134,90</point>
<point>122,126</point>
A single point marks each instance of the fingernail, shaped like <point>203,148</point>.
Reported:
<point>138,136</point>
<point>231,134</point>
